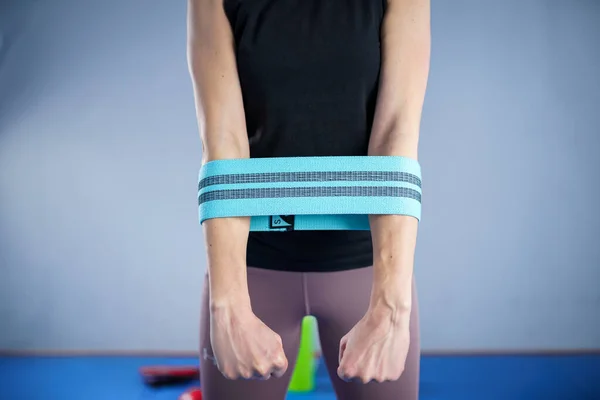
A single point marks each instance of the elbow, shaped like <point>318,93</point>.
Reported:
<point>395,139</point>
<point>224,145</point>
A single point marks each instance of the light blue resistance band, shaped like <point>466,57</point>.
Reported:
<point>309,193</point>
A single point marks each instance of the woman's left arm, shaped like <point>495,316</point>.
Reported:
<point>377,346</point>
<point>405,44</point>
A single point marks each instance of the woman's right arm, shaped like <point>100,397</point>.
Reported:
<point>243,346</point>
<point>221,120</point>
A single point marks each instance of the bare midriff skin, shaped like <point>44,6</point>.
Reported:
<point>244,347</point>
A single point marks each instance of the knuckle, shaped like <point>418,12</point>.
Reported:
<point>261,369</point>
<point>229,374</point>
<point>246,374</point>
<point>279,361</point>
<point>349,372</point>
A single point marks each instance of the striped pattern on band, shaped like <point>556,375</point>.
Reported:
<point>309,193</point>
<point>315,176</point>
<point>316,191</point>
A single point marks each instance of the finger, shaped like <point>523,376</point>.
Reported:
<point>259,377</point>
<point>346,372</point>
<point>228,373</point>
<point>343,343</point>
<point>349,360</point>
<point>355,376</point>
<point>246,374</point>
<point>280,365</point>
<point>395,375</point>
<point>369,370</point>
<point>380,374</point>
<point>343,375</point>
<point>262,371</point>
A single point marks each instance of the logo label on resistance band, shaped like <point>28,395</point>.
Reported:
<point>281,222</point>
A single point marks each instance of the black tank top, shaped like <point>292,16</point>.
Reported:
<point>309,72</point>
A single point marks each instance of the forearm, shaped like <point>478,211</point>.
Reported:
<point>405,66</point>
<point>226,240</point>
<point>221,120</point>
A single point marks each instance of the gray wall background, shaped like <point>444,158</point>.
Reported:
<point>99,243</point>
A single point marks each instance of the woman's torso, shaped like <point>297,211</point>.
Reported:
<point>309,72</point>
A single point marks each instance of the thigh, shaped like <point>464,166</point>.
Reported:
<point>278,300</point>
<point>339,300</point>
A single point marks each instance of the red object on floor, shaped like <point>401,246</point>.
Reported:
<point>192,394</point>
<point>162,375</point>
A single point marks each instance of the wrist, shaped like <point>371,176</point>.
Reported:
<point>228,287</point>
<point>394,303</point>
<point>230,303</point>
<point>397,315</point>
<point>391,291</point>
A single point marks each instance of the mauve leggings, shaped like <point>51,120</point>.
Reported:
<point>281,299</point>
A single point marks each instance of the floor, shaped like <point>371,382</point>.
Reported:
<point>449,378</point>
